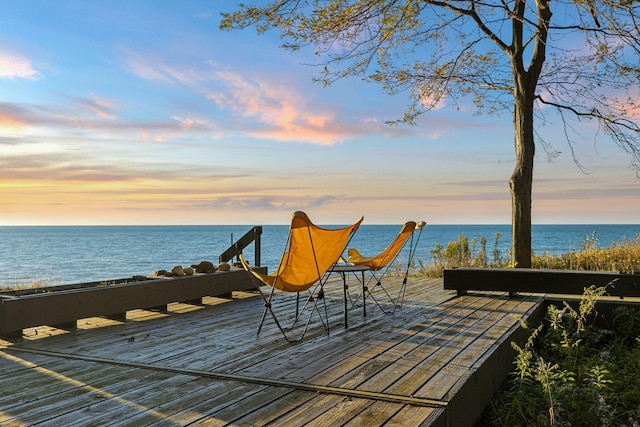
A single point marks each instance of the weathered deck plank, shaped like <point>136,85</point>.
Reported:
<point>152,369</point>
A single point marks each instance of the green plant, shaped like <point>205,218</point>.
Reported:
<point>574,371</point>
<point>462,253</point>
<point>626,324</point>
<point>497,257</point>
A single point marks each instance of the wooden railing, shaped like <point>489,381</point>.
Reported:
<point>252,236</point>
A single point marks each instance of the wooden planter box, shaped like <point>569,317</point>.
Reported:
<point>516,280</point>
<point>64,305</point>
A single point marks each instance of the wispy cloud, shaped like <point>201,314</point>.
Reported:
<point>262,106</point>
<point>60,167</point>
<point>477,183</point>
<point>282,111</point>
<point>16,66</point>
<point>154,68</point>
<point>96,106</point>
<point>13,117</point>
<point>275,202</point>
<point>194,123</point>
<point>80,170</point>
<point>596,192</point>
<point>563,188</point>
<point>93,115</point>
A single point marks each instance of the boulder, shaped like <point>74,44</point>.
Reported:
<point>163,273</point>
<point>204,267</point>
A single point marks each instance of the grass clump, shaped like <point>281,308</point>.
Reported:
<point>573,371</point>
<point>620,257</point>
<point>22,285</point>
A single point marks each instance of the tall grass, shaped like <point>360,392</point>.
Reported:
<point>620,257</point>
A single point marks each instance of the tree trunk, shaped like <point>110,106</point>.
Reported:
<point>522,177</point>
<point>524,89</point>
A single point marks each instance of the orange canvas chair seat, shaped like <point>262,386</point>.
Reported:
<point>309,253</point>
<point>383,261</point>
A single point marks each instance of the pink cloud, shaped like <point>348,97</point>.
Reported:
<point>634,112</point>
<point>14,117</point>
<point>276,109</point>
<point>433,102</point>
<point>632,108</point>
<point>192,123</point>
<point>284,114</point>
<point>14,66</point>
<point>96,106</point>
<point>10,123</point>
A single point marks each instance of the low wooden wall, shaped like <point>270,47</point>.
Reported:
<point>515,280</point>
<point>54,307</point>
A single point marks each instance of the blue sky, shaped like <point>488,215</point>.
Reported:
<point>135,112</point>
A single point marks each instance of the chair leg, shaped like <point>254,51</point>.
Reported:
<point>264,315</point>
<point>400,299</point>
<point>267,304</point>
<point>378,303</point>
<point>311,300</point>
<point>413,246</point>
<point>369,291</point>
<point>299,310</point>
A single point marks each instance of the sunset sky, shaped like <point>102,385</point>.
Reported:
<point>140,112</point>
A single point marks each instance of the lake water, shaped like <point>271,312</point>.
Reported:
<point>62,254</point>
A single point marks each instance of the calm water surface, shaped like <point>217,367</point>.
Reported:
<point>58,255</point>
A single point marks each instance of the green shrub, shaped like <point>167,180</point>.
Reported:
<point>462,253</point>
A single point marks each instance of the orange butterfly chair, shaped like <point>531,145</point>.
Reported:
<point>309,254</point>
<point>379,266</point>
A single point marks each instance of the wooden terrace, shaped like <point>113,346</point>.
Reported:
<point>435,361</point>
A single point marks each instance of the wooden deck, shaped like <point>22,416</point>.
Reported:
<point>435,361</point>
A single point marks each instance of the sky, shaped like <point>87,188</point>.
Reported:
<point>138,112</point>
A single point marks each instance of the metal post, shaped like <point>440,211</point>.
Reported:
<point>257,233</point>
